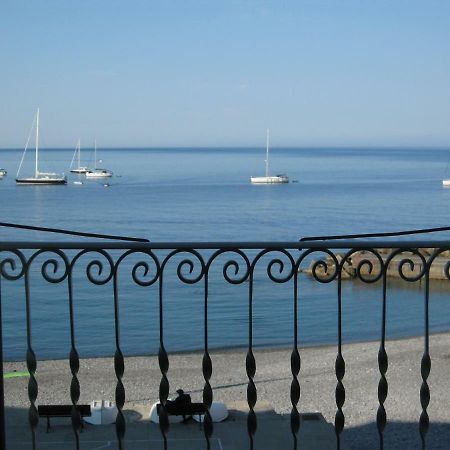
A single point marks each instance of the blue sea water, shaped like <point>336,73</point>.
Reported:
<point>205,195</point>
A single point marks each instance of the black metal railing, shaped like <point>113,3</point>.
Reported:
<point>241,263</point>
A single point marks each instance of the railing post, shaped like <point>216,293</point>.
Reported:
<point>2,391</point>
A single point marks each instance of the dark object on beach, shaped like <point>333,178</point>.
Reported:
<point>63,411</point>
<point>183,406</point>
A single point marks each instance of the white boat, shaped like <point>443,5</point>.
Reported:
<point>97,172</point>
<point>77,156</point>
<point>3,172</point>
<point>39,177</point>
<point>269,179</point>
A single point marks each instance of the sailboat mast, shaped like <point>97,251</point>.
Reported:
<point>79,152</point>
<point>267,153</point>
<point>95,154</point>
<point>37,142</point>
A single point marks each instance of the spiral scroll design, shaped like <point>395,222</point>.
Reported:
<point>408,262</point>
<point>232,270</point>
<point>322,270</point>
<point>96,272</point>
<point>368,270</point>
<point>12,268</point>
<point>187,266</point>
<point>141,271</point>
<point>277,275</point>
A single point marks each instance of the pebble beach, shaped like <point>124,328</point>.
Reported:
<point>273,378</point>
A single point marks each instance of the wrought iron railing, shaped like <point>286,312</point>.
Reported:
<point>240,263</point>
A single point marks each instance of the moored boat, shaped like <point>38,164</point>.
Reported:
<point>269,179</point>
<point>39,177</point>
<point>97,172</point>
<point>77,156</point>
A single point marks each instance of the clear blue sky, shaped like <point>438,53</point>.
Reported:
<point>213,72</point>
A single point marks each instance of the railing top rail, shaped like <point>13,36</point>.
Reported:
<point>243,245</point>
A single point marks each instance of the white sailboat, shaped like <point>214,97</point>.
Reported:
<point>3,172</point>
<point>77,156</point>
<point>267,179</point>
<point>97,172</point>
<point>39,177</point>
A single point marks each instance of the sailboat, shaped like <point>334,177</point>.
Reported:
<point>97,172</point>
<point>77,155</point>
<point>39,177</point>
<point>267,179</point>
<point>3,172</point>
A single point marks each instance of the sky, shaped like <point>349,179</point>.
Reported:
<point>219,72</point>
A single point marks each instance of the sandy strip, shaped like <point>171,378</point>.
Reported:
<point>273,378</point>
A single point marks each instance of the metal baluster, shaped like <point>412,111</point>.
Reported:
<point>207,372</point>
<point>163,361</point>
<point>119,367</point>
<point>33,416</point>
<point>2,392</point>
<point>339,419</point>
<point>250,366</point>
<point>425,367</point>
<point>383,367</point>
<point>74,361</point>
<point>295,369</point>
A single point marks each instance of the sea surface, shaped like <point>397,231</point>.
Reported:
<point>189,194</point>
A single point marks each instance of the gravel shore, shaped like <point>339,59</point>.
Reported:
<point>273,378</point>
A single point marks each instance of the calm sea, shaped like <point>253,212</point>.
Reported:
<point>205,195</point>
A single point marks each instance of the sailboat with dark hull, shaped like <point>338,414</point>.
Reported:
<point>39,177</point>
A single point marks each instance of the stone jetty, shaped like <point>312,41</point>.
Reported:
<point>406,263</point>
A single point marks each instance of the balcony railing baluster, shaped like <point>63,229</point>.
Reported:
<point>295,367</point>
<point>74,362</point>
<point>119,367</point>
<point>425,366</point>
<point>382,366</point>
<point>339,419</point>
<point>163,361</point>
<point>207,370</point>
<point>250,367</point>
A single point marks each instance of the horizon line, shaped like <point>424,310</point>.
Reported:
<point>249,147</point>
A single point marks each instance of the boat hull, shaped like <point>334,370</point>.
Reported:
<point>41,181</point>
<point>278,179</point>
<point>445,182</point>
<point>103,174</point>
<point>79,170</point>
